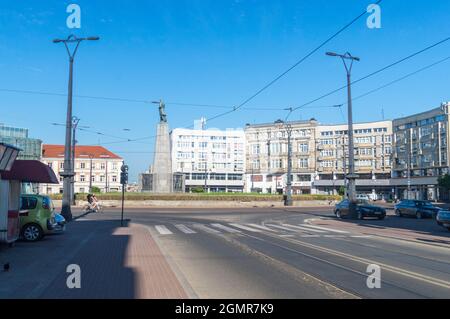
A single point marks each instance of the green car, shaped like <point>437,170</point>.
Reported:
<point>37,217</point>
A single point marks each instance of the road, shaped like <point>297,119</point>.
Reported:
<point>297,253</point>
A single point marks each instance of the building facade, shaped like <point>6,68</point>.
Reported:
<point>266,152</point>
<point>373,145</point>
<point>31,149</point>
<point>421,153</point>
<point>211,160</point>
<point>319,157</point>
<point>93,163</point>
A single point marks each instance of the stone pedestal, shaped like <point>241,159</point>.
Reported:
<point>162,164</point>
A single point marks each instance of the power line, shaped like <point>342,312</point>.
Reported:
<point>376,72</point>
<point>292,67</point>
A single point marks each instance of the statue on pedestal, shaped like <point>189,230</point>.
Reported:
<point>162,112</point>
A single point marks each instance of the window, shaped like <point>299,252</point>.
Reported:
<point>61,165</point>
<point>327,164</point>
<point>102,166</point>
<point>198,176</point>
<point>303,148</point>
<point>82,165</point>
<point>114,178</point>
<point>303,163</point>
<point>82,178</point>
<point>28,203</point>
<point>327,142</point>
<point>50,164</point>
<point>234,177</point>
<point>255,149</point>
<point>102,178</point>
<point>256,164</point>
<point>217,177</point>
<point>327,153</point>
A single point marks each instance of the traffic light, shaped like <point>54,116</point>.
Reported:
<point>124,175</point>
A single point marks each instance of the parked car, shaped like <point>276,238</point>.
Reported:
<point>417,208</point>
<point>362,197</point>
<point>443,218</point>
<point>37,217</point>
<point>363,210</point>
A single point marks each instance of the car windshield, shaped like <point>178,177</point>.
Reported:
<point>363,202</point>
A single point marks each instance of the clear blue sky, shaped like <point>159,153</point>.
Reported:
<point>211,52</point>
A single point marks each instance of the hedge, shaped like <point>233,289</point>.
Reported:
<point>206,196</point>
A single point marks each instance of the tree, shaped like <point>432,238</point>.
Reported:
<point>341,191</point>
<point>444,182</point>
<point>95,189</point>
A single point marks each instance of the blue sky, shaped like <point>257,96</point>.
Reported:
<point>211,52</point>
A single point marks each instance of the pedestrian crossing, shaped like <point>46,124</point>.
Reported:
<point>282,230</point>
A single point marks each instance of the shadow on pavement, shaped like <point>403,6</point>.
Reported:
<point>38,270</point>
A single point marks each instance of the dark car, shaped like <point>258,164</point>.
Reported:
<point>443,218</point>
<point>416,208</point>
<point>363,209</point>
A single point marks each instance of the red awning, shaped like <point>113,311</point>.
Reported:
<point>30,171</point>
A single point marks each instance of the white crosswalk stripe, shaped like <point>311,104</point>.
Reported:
<point>280,227</point>
<point>303,228</point>
<point>261,227</point>
<point>246,228</point>
<point>283,230</point>
<point>326,229</point>
<point>163,230</point>
<point>207,229</point>
<point>185,229</point>
<point>225,228</point>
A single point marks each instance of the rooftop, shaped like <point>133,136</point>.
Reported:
<point>57,151</point>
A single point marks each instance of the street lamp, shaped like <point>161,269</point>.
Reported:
<point>351,156</point>
<point>68,172</point>
<point>288,200</point>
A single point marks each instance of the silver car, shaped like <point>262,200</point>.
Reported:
<point>443,218</point>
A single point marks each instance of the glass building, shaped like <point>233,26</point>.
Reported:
<point>31,149</point>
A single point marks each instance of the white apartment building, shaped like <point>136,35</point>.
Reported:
<point>91,162</point>
<point>209,159</point>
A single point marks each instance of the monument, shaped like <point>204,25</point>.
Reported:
<point>160,178</point>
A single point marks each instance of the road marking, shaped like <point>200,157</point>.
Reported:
<point>327,229</point>
<point>334,236</point>
<point>225,228</point>
<point>303,228</point>
<point>245,228</point>
<point>185,229</point>
<point>163,230</point>
<point>207,229</point>
<point>361,236</point>
<point>309,236</point>
<point>286,235</point>
<point>261,227</point>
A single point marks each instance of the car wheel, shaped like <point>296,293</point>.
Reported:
<point>32,232</point>
<point>338,214</point>
<point>419,215</point>
<point>398,213</point>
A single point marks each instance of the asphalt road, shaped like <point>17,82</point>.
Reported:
<point>297,253</point>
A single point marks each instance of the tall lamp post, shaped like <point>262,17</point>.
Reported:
<point>288,199</point>
<point>68,173</point>
<point>348,60</point>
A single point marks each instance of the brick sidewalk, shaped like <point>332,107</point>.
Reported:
<point>115,262</point>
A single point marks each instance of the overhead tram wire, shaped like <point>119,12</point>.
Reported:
<point>276,79</point>
<point>375,72</point>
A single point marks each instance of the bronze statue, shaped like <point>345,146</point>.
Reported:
<point>162,112</point>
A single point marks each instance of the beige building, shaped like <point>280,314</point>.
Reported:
<point>105,172</point>
<point>421,153</point>
<point>319,155</point>
<point>266,152</point>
